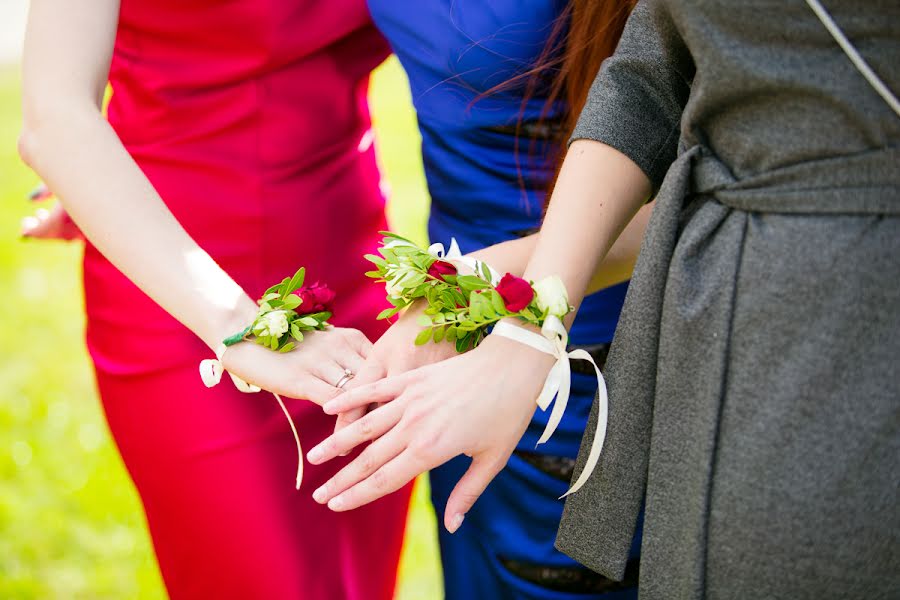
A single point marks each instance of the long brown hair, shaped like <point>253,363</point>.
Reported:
<point>581,38</point>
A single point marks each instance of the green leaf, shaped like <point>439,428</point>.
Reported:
<point>379,262</point>
<point>308,321</point>
<point>462,344</point>
<point>287,347</point>
<point>296,282</point>
<point>450,334</point>
<point>497,302</point>
<point>388,255</point>
<point>471,282</point>
<point>424,337</point>
<point>485,271</point>
<point>390,235</point>
<point>292,301</point>
<point>424,321</point>
<point>438,334</point>
<point>388,312</point>
<point>475,309</point>
<point>374,274</point>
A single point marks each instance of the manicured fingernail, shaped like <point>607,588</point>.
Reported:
<point>319,495</point>
<point>336,503</point>
<point>315,455</point>
<point>455,522</point>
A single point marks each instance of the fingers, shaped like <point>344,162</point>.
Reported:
<point>359,342</point>
<point>390,477</point>
<point>348,418</point>
<point>375,456</point>
<point>313,389</point>
<point>371,371</point>
<point>383,390</point>
<point>468,490</point>
<point>369,427</point>
<point>50,224</point>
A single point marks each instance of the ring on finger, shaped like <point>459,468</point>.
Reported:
<point>348,375</point>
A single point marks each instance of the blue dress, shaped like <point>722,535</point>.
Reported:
<point>484,191</point>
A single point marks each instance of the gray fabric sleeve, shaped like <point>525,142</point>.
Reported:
<point>636,101</point>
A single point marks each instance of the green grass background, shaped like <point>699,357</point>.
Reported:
<point>70,520</point>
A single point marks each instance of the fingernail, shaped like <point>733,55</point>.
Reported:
<point>329,407</point>
<point>315,455</point>
<point>319,495</point>
<point>455,522</point>
<point>336,503</point>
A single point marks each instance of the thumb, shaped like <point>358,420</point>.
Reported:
<point>468,490</point>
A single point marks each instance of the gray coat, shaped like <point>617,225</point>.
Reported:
<point>754,379</point>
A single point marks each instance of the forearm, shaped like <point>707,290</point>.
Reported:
<point>117,209</point>
<point>66,140</point>
<point>616,266</point>
<point>599,191</point>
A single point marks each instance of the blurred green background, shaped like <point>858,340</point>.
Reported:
<point>70,520</point>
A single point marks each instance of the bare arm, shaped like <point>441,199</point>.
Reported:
<point>73,148</point>
<point>66,140</point>
<point>616,266</point>
<point>597,185</point>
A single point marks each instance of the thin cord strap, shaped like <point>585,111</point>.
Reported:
<point>858,61</point>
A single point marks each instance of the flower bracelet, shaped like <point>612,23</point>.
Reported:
<point>464,308</point>
<point>286,311</point>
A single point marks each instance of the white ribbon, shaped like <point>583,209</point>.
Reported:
<point>211,370</point>
<point>454,256</point>
<point>553,341</point>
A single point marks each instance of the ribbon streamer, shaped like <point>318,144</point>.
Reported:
<point>553,341</point>
<point>454,256</point>
<point>211,370</point>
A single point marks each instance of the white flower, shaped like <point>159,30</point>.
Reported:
<point>552,296</point>
<point>272,324</point>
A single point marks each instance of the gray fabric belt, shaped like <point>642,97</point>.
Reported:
<point>599,521</point>
<point>864,183</point>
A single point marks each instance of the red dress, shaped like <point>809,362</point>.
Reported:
<point>250,119</point>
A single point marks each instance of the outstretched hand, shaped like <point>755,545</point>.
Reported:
<point>478,404</point>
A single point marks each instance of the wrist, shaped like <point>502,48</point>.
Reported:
<point>518,352</point>
<point>230,320</point>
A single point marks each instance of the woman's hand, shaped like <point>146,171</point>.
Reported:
<point>395,353</point>
<point>478,404</point>
<point>310,371</point>
<point>49,224</point>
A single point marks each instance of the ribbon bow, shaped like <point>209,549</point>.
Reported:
<point>553,341</point>
<point>211,370</point>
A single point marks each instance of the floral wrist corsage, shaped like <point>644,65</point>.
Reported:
<point>286,311</point>
<point>463,308</point>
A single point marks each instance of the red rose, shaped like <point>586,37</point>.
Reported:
<point>515,291</point>
<point>439,268</point>
<point>316,298</point>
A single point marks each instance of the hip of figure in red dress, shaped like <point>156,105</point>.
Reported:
<point>251,122</point>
